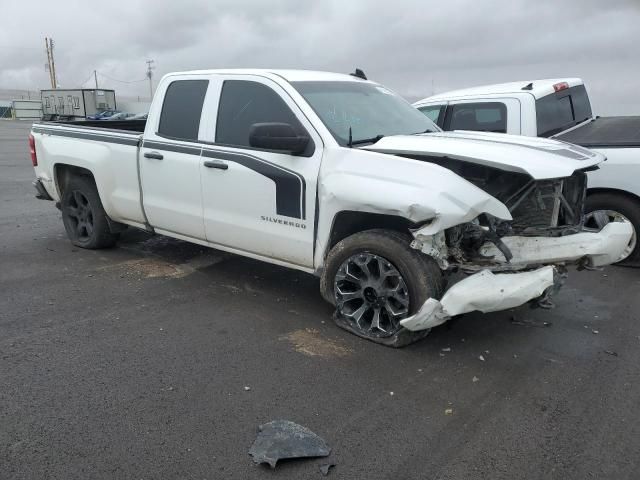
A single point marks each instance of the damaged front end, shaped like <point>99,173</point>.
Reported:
<point>506,263</point>
<point>539,208</point>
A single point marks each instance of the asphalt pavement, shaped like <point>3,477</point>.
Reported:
<point>158,359</point>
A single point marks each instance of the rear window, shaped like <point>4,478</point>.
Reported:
<point>482,117</point>
<point>182,108</point>
<point>558,111</point>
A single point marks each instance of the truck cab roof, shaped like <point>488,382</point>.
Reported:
<point>539,88</point>
<point>288,75</point>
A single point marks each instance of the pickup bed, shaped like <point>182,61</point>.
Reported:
<point>337,176</point>
<point>560,109</point>
<point>605,132</point>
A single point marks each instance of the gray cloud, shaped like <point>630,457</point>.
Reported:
<point>407,45</point>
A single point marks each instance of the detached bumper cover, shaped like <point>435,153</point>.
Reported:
<point>485,292</point>
<point>600,248</point>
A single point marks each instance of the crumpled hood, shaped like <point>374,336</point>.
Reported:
<point>538,157</point>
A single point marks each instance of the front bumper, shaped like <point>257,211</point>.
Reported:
<point>596,248</point>
<point>486,291</point>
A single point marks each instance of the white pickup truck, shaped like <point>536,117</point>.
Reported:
<point>333,175</point>
<point>560,109</point>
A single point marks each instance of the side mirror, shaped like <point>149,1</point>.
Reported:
<point>277,136</point>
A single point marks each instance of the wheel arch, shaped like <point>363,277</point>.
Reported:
<point>348,222</point>
<point>616,191</point>
<point>629,206</point>
<point>63,172</point>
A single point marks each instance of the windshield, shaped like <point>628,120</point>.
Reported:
<point>370,110</point>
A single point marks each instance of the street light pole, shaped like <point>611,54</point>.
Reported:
<point>49,69</point>
<point>150,67</point>
<point>53,64</point>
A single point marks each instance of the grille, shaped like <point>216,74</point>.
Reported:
<point>549,207</point>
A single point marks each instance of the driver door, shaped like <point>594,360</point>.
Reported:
<point>255,201</point>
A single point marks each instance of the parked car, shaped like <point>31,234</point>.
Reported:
<point>560,109</point>
<point>331,174</point>
<point>139,116</point>
<point>103,115</point>
<point>120,116</point>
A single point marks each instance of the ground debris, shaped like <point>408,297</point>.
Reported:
<point>611,352</point>
<point>311,342</point>
<point>324,468</point>
<point>281,439</point>
<point>529,323</point>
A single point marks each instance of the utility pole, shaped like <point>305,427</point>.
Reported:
<point>95,77</point>
<point>48,65</point>
<point>150,67</point>
<point>53,64</point>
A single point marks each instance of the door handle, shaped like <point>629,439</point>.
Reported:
<point>216,164</point>
<point>154,155</point>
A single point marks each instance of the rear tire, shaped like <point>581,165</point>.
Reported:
<point>84,217</point>
<point>612,206</point>
<point>375,279</point>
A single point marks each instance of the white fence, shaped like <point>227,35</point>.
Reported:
<point>27,109</point>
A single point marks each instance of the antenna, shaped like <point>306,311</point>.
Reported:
<point>359,74</point>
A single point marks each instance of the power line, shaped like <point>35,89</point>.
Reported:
<point>88,78</point>
<point>122,81</point>
<point>13,47</point>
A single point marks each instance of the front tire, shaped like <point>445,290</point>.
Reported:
<point>84,217</point>
<point>375,279</point>
<point>602,208</point>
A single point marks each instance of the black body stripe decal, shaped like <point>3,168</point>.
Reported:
<point>173,147</point>
<point>572,151</point>
<point>88,136</point>
<point>290,186</point>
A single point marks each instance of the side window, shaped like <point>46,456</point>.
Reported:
<point>432,112</point>
<point>182,108</point>
<point>484,117</point>
<point>243,103</point>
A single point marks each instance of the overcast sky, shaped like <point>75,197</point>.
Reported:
<point>413,47</point>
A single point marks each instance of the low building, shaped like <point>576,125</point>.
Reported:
<point>76,104</point>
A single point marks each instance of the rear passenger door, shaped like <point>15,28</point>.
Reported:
<point>170,158</point>
<point>256,201</point>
